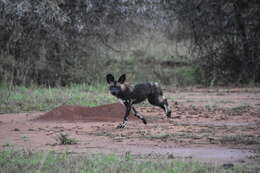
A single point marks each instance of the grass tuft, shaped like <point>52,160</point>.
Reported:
<point>63,139</point>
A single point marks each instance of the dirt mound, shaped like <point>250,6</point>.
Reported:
<point>105,113</point>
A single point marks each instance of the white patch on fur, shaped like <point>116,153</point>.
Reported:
<point>121,101</point>
<point>123,125</point>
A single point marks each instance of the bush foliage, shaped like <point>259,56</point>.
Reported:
<point>59,42</point>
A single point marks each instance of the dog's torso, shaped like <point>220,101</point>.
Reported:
<point>139,92</point>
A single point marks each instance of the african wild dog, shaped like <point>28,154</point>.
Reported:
<point>132,94</point>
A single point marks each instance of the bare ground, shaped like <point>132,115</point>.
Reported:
<point>219,126</point>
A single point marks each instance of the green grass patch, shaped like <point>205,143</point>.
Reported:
<point>23,99</point>
<point>21,161</point>
<point>64,139</point>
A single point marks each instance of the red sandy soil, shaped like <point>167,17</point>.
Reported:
<point>194,131</point>
<point>71,113</point>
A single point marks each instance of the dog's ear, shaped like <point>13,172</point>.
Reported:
<point>122,79</point>
<point>110,78</point>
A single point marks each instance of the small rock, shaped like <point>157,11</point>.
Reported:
<point>242,161</point>
<point>171,156</point>
<point>176,117</point>
<point>228,165</point>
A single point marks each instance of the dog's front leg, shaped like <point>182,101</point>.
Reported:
<point>128,106</point>
<point>138,115</point>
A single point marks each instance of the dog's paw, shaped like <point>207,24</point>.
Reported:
<point>168,114</point>
<point>121,126</point>
<point>144,121</point>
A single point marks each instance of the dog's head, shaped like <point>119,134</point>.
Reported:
<point>116,87</point>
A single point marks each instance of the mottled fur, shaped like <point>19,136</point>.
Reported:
<point>133,94</point>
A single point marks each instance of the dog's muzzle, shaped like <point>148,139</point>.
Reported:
<point>114,92</point>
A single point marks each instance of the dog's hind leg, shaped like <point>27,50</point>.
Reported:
<point>159,100</point>
<point>138,115</point>
<point>168,111</point>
